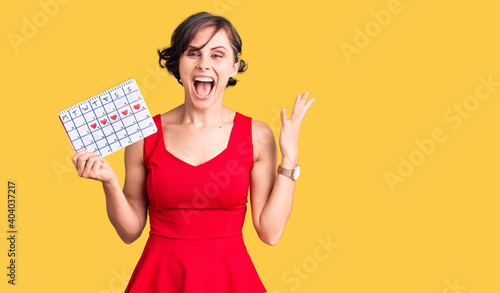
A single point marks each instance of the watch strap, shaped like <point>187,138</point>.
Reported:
<point>286,172</point>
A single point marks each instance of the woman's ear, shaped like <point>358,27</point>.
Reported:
<point>236,68</point>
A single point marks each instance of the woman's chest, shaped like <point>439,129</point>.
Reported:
<point>196,147</point>
<point>220,184</point>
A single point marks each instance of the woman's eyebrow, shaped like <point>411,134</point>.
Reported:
<point>219,47</point>
<point>193,47</point>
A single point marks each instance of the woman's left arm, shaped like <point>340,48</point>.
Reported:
<point>271,196</point>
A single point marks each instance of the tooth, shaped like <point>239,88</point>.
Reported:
<point>204,79</point>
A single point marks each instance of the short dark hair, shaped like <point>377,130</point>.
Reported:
<point>184,34</point>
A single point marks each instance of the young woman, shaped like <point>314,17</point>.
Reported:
<point>194,173</point>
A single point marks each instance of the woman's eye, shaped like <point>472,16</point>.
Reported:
<point>197,55</point>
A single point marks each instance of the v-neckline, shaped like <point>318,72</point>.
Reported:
<point>162,139</point>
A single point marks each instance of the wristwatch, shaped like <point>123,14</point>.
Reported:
<point>292,173</point>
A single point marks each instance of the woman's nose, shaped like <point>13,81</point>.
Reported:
<point>203,63</point>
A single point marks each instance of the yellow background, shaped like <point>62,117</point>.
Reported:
<point>437,231</point>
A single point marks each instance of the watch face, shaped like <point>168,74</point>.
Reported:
<point>296,173</point>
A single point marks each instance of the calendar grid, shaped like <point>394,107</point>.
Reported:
<point>112,101</point>
<point>123,107</point>
<point>111,121</point>
<point>105,137</point>
<point>129,104</point>
<point>93,138</point>
<point>79,135</point>
<point>118,110</point>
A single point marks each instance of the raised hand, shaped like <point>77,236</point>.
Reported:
<point>289,134</point>
<point>90,165</point>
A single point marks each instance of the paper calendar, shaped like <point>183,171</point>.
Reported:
<point>108,121</point>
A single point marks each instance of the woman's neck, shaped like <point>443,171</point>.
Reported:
<point>202,118</point>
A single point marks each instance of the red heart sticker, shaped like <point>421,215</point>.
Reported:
<point>137,106</point>
<point>125,112</point>
<point>114,117</point>
<point>103,121</point>
<point>93,125</point>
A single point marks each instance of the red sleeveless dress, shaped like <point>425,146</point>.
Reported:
<point>196,215</point>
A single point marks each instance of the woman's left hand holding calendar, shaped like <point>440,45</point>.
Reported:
<point>90,165</point>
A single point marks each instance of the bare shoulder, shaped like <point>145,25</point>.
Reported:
<point>262,139</point>
<point>171,116</point>
<point>261,128</point>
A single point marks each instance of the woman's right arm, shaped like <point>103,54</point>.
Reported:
<point>127,208</point>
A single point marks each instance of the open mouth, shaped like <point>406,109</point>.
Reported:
<point>203,87</point>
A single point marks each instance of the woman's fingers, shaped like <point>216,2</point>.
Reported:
<point>297,107</point>
<point>283,117</point>
<point>90,165</point>
<point>300,107</point>
<point>81,161</point>
<point>306,107</point>
<point>75,157</point>
<point>96,169</point>
<point>304,97</point>
<point>89,170</point>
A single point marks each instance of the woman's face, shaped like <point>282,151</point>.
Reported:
<point>204,73</point>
